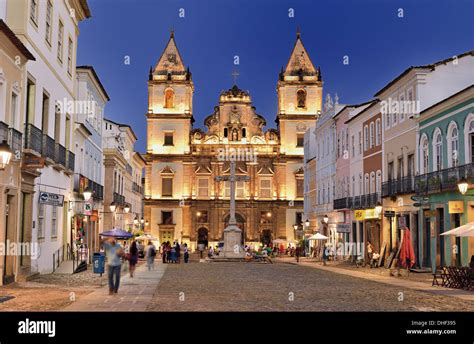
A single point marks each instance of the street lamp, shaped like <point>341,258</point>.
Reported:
<point>198,214</point>
<point>126,208</point>
<point>463,185</point>
<point>5,154</point>
<point>142,220</point>
<point>87,194</point>
<point>307,223</point>
<point>112,207</point>
<point>269,214</point>
<point>295,226</point>
<point>326,219</point>
<point>146,223</point>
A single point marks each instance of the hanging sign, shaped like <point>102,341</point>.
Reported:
<point>343,227</point>
<point>87,208</point>
<point>359,215</point>
<point>51,198</point>
<point>456,207</point>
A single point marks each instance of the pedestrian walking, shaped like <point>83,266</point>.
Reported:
<point>178,252</point>
<point>113,253</point>
<point>186,253</point>
<point>133,257</point>
<point>150,255</point>
<point>325,254</point>
<point>163,252</point>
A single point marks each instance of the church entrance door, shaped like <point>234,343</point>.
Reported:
<point>203,236</point>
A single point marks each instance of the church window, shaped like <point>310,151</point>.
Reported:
<point>299,140</point>
<point>203,187</point>
<point>169,98</point>
<point>244,132</point>
<point>301,98</point>
<point>226,132</point>
<point>167,187</point>
<point>168,139</point>
<point>239,189</point>
<point>166,217</point>
<point>265,188</point>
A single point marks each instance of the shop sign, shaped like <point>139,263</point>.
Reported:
<point>371,214</point>
<point>51,199</point>
<point>456,207</point>
<point>87,208</point>
<point>402,222</point>
<point>343,227</point>
<point>359,215</point>
<point>31,162</point>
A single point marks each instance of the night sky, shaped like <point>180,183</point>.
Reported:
<point>378,43</point>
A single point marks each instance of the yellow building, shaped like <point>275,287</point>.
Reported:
<point>183,201</point>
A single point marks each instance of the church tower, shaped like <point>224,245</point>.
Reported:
<point>170,103</point>
<point>300,90</point>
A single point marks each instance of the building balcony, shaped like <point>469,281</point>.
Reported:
<point>365,201</point>
<point>400,186</point>
<point>119,199</point>
<point>81,183</point>
<point>48,148</point>
<point>137,188</point>
<point>60,154</point>
<point>15,141</point>
<point>70,161</point>
<point>33,138</point>
<point>444,180</point>
<point>343,203</point>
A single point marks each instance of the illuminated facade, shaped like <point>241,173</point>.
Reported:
<point>182,199</point>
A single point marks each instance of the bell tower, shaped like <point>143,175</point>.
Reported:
<point>299,90</point>
<point>170,103</point>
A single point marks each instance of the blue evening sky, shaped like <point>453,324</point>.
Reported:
<point>379,44</point>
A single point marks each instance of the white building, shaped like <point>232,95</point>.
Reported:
<point>49,29</point>
<point>89,170</point>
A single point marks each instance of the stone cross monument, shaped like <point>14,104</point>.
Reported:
<point>232,233</point>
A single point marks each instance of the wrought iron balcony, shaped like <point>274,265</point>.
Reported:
<point>443,180</point>
<point>119,199</point>
<point>343,203</point>
<point>3,132</point>
<point>33,138</point>
<point>137,188</point>
<point>49,149</point>
<point>81,183</point>
<point>60,153</point>
<point>71,160</point>
<point>15,141</point>
<point>405,185</point>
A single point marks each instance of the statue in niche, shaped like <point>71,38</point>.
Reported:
<point>169,99</point>
<point>235,135</point>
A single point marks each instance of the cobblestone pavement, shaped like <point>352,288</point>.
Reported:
<point>285,287</point>
<point>50,292</point>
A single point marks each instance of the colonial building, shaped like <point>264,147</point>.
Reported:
<point>50,33</point>
<point>123,168</point>
<point>183,200</point>
<point>12,110</point>
<point>88,190</point>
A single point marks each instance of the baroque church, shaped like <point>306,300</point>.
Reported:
<point>183,200</point>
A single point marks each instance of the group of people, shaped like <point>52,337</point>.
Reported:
<point>172,253</point>
<point>117,255</point>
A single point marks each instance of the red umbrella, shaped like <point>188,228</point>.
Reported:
<point>407,254</point>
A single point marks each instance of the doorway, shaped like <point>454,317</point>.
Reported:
<point>8,260</point>
<point>427,239</point>
<point>203,236</point>
<point>266,237</point>
<point>440,256</point>
<point>166,236</point>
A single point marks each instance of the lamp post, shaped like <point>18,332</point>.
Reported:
<point>87,194</point>
<point>463,186</point>
<point>5,155</point>
<point>112,208</point>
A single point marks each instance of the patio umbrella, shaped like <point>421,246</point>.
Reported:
<point>318,236</point>
<point>116,233</point>
<point>407,254</point>
<point>464,230</point>
<point>146,237</point>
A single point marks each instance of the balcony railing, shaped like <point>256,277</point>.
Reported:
<point>81,183</point>
<point>15,141</point>
<point>358,202</point>
<point>444,180</point>
<point>33,138</point>
<point>343,203</point>
<point>3,132</point>
<point>398,186</point>
<point>49,149</point>
<point>137,188</point>
<point>71,161</point>
<point>119,199</point>
<point>60,153</point>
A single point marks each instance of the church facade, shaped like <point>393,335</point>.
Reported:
<point>183,200</point>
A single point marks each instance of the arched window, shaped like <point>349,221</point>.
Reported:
<point>301,98</point>
<point>367,187</point>
<point>372,141</point>
<point>469,139</point>
<point>169,98</point>
<point>378,133</point>
<point>366,138</point>
<point>424,154</point>
<point>378,185</point>
<point>372,182</point>
<point>437,150</point>
<point>453,144</point>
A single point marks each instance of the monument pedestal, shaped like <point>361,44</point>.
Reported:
<point>232,243</point>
